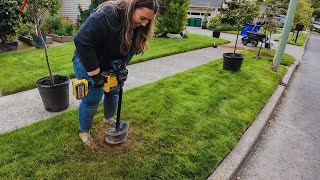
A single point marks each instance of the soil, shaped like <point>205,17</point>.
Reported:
<point>231,47</point>
<point>103,147</point>
<point>57,79</point>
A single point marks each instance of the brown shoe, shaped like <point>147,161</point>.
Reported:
<point>109,120</point>
<point>87,139</point>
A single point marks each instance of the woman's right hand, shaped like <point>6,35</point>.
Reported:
<point>97,80</point>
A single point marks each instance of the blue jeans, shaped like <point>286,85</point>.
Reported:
<point>89,104</point>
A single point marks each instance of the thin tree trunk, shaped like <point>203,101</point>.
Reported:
<point>235,46</point>
<point>45,51</point>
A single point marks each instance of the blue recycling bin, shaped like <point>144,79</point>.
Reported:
<point>249,28</point>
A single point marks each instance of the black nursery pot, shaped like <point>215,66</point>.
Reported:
<point>232,62</point>
<point>55,98</point>
<point>215,33</point>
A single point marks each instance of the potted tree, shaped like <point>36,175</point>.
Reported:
<point>239,13</point>
<point>268,23</point>
<point>53,89</point>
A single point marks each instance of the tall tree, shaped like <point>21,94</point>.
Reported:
<point>303,13</point>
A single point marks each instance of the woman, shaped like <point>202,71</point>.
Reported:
<point>117,30</point>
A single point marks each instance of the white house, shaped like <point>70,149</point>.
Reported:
<point>69,8</point>
<point>198,8</point>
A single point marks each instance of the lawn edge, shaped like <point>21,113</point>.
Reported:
<point>232,163</point>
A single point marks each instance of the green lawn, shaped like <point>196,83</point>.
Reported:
<point>231,32</point>
<point>300,41</point>
<point>181,127</point>
<point>260,31</point>
<point>19,70</point>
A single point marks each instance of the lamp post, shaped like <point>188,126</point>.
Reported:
<point>284,35</point>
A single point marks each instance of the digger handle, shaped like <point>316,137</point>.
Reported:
<point>120,81</point>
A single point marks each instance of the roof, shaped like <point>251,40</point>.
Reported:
<point>206,3</point>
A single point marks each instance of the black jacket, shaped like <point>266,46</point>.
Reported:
<point>97,43</point>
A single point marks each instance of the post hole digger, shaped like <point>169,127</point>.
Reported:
<point>113,78</point>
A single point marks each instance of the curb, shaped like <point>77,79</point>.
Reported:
<point>228,168</point>
<point>288,76</point>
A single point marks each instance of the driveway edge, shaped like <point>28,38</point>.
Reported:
<point>234,160</point>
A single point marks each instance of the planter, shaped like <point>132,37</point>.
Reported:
<point>62,38</point>
<point>10,46</point>
<point>215,33</point>
<point>26,40</point>
<point>13,45</point>
<point>38,42</point>
<point>49,40</point>
<point>232,62</point>
<point>55,98</point>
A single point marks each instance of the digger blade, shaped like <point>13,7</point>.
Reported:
<point>119,135</point>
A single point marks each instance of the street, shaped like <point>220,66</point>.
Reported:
<point>290,146</point>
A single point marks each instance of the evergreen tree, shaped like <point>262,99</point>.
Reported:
<point>172,16</point>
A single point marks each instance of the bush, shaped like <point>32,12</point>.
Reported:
<point>9,20</point>
<point>69,27</point>
<point>27,30</point>
<point>214,21</point>
<point>52,24</point>
<point>57,24</point>
<point>84,14</point>
<point>226,27</point>
<point>172,16</point>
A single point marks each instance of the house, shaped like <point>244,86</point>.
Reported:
<point>198,8</point>
<point>69,8</point>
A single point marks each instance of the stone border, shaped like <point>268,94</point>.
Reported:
<point>228,168</point>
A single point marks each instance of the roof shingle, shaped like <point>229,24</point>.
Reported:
<point>207,3</point>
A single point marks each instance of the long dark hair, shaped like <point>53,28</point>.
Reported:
<point>133,40</point>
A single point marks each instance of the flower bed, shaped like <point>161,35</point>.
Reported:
<point>62,38</point>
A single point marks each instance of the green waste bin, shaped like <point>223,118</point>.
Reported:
<point>192,22</point>
<point>188,22</point>
<point>198,22</point>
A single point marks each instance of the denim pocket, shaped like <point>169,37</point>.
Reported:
<point>79,70</point>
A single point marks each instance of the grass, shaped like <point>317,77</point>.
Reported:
<point>181,127</point>
<point>260,31</point>
<point>19,70</point>
<point>231,32</point>
<point>300,41</point>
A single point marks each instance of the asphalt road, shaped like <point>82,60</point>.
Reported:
<point>290,146</point>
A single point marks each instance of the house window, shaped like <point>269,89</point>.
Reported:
<point>194,13</point>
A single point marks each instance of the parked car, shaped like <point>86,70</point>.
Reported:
<point>281,19</point>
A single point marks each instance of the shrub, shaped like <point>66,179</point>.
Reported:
<point>172,16</point>
<point>9,20</point>
<point>214,21</point>
<point>226,27</point>
<point>84,14</point>
<point>27,30</point>
<point>57,24</point>
<point>52,24</point>
<point>69,27</point>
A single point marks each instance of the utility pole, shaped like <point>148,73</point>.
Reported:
<point>284,35</point>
